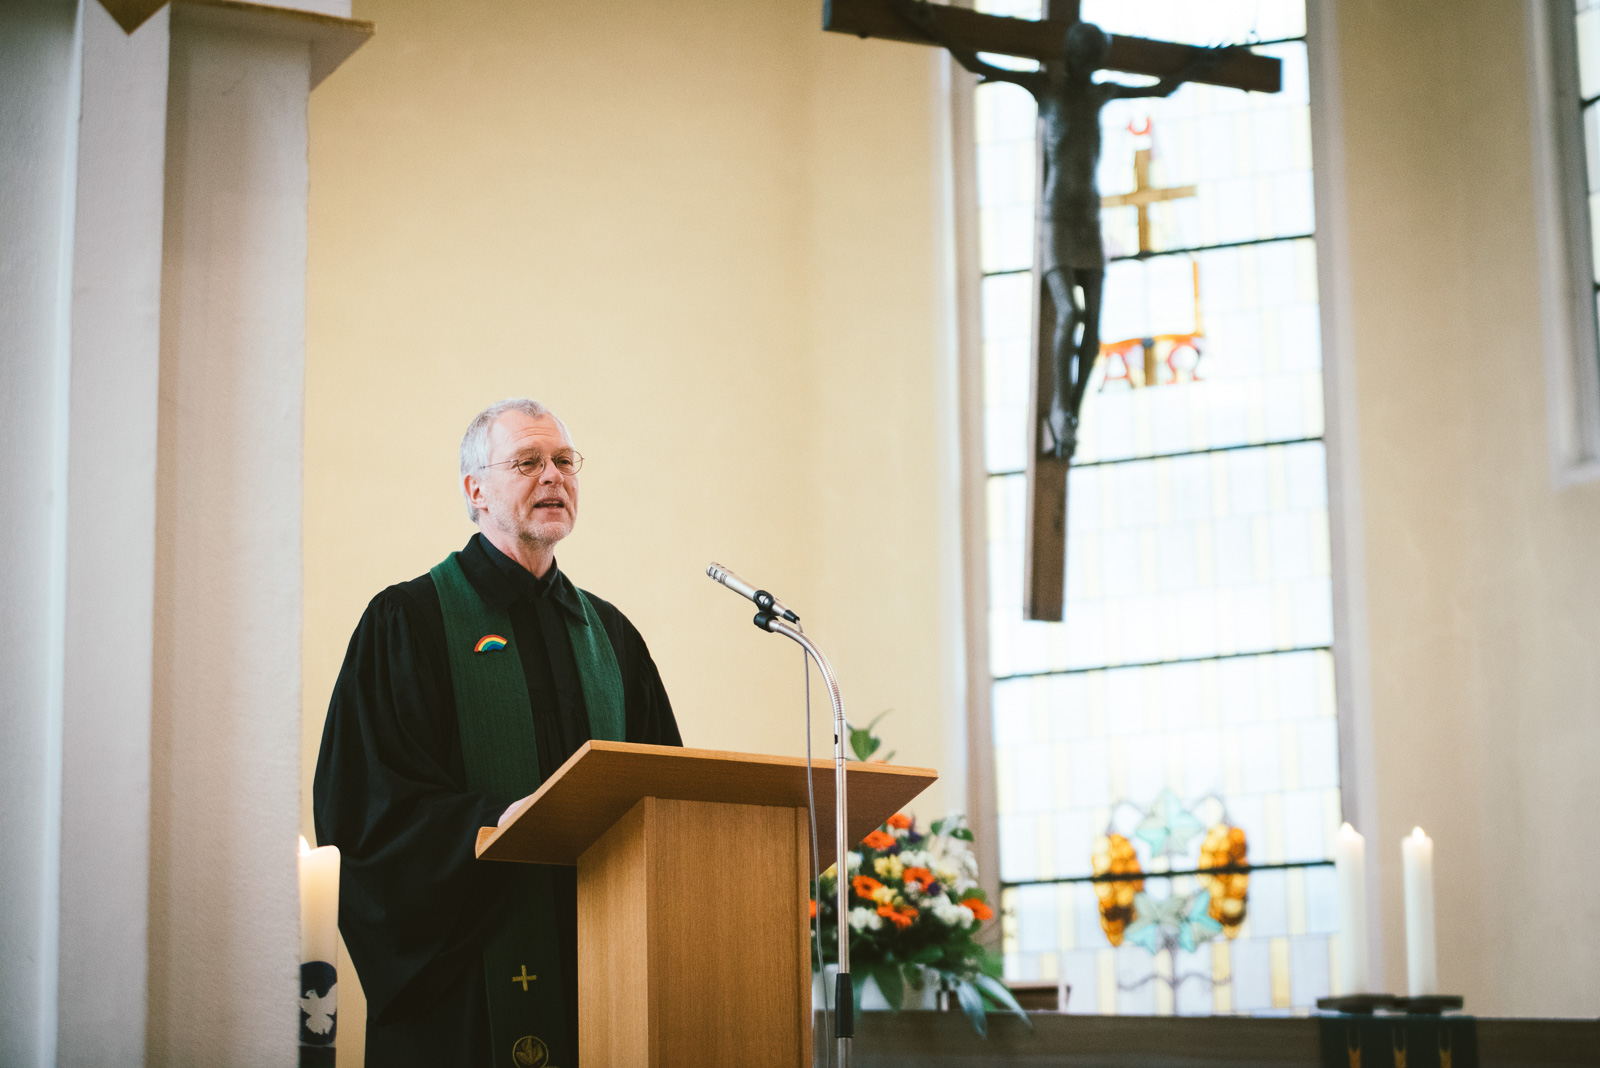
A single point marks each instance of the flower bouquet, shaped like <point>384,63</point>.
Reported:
<point>915,913</point>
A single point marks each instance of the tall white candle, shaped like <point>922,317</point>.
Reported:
<point>319,903</point>
<point>1422,959</point>
<point>1350,866</point>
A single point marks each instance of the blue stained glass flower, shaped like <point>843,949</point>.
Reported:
<point>1182,920</point>
<point>1169,827</point>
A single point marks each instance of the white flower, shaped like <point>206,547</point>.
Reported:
<point>853,861</point>
<point>914,858</point>
<point>965,914</point>
<point>865,919</point>
<point>947,912</point>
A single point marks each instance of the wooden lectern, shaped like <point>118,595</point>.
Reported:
<point>693,882</point>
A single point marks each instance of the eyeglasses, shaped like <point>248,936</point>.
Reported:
<point>567,463</point>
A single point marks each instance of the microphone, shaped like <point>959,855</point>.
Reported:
<point>764,600</point>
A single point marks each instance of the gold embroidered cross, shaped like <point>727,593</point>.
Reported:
<point>524,978</point>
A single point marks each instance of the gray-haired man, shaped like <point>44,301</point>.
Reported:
<point>461,691</point>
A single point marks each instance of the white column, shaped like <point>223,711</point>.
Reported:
<point>152,293</point>
<point>38,110</point>
<point>224,916</point>
<point>110,541</point>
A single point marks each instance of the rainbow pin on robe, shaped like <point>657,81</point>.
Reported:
<point>489,643</point>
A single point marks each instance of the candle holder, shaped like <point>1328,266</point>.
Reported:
<point>1367,1004</point>
<point>1430,1004</point>
<point>1358,1004</point>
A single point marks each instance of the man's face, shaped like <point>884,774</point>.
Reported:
<point>541,508</point>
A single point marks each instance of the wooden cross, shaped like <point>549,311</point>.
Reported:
<point>524,978</point>
<point>1044,569</point>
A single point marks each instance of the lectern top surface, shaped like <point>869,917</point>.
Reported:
<point>603,780</point>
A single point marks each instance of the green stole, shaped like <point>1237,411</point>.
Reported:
<point>527,1016</point>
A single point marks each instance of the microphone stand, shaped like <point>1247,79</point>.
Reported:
<point>844,995</point>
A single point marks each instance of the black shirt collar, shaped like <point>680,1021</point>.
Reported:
<point>500,580</point>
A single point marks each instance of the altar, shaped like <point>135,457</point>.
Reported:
<point>944,1040</point>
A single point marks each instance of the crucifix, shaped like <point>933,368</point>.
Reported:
<point>524,978</point>
<point>1069,257</point>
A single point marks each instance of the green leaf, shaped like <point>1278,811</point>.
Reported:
<point>937,827</point>
<point>888,978</point>
<point>915,977</point>
<point>927,954</point>
<point>997,992</point>
<point>863,743</point>
<point>972,1005</point>
<point>962,833</point>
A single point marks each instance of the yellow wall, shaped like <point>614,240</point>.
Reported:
<point>1482,579</point>
<point>706,234</point>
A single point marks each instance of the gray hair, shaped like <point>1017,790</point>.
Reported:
<point>475,442</point>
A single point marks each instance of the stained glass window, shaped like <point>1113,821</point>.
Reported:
<point>1182,715</point>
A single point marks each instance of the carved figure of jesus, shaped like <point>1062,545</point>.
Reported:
<point>1072,253</point>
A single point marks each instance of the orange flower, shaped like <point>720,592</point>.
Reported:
<point>980,911</point>
<point>813,910</point>
<point>878,840</point>
<point>899,821</point>
<point>865,886</point>
<point>919,877</point>
<point>901,917</point>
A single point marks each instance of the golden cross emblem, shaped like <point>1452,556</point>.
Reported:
<point>524,978</point>
<point>1144,194</point>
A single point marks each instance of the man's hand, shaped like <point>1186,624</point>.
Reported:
<point>501,822</point>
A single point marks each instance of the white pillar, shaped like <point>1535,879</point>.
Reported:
<point>38,87</point>
<point>224,915</point>
<point>110,541</point>
<point>152,292</point>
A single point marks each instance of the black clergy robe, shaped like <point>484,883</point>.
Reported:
<point>415,905</point>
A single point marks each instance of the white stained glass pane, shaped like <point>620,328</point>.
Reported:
<point>1193,998</point>
<point>1011,712</point>
<point>1309,970</point>
<point>1589,53</point>
<point>1594,231</point>
<point>1215,22</point>
<point>1033,779</point>
<point>1252,974</point>
<point>1318,743</point>
<point>1076,830</point>
<point>1019,853</point>
<point>1322,900</point>
<point>1591,144</point>
<point>1132,965</point>
<point>1302,826</point>
<point>1080,969</point>
<point>1017,9</point>
<point>1268,905</point>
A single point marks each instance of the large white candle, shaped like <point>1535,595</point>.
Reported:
<point>1422,959</point>
<point>1350,866</point>
<point>319,903</point>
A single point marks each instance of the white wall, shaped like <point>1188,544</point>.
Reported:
<point>1481,577</point>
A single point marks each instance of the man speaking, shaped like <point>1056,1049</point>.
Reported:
<point>462,690</point>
